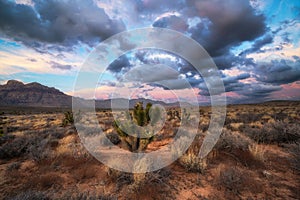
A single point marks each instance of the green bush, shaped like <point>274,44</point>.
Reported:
<point>68,119</point>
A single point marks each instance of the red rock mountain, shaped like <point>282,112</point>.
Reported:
<point>15,93</point>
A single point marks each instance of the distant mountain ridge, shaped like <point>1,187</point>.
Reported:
<point>16,93</point>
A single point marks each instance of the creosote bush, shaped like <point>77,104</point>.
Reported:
<point>230,141</point>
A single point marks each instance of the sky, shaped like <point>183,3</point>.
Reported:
<point>255,45</point>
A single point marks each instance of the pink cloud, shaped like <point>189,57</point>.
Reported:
<point>289,91</point>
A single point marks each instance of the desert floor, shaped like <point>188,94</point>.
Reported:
<point>256,157</point>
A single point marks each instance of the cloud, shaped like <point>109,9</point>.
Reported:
<point>231,83</point>
<point>173,22</point>
<point>278,71</point>
<point>118,64</point>
<point>228,24</point>
<point>219,26</point>
<point>65,22</point>
<point>56,65</point>
<point>150,73</point>
<point>258,44</point>
<point>258,90</point>
<point>157,6</point>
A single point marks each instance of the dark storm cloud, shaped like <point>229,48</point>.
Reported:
<point>232,22</point>
<point>56,65</point>
<point>54,21</point>
<point>278,71</point>
<point>258,44</point>
<point>258,90</point>
<point>235,79</point>
<point>228,60</point>
<point>119,64</point>
<point>220,26</point>
<point>231,83</point>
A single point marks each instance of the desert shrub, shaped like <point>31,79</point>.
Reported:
<point>33,145</point>
<point>203,127</point>
<point>84,172</point>
<point>248,117</point>
<point>276,132</point>
<point>233,179</point>
<point>230,141</point>
<point>143,180</point>
<point>295,160</point>
<point>14,148</point>
<point>88,196</point>
<point>30,195</point>
<point>68,118</point>
<point>43,181</point>
<point>13,166</point>
<point>2,124</point>
<point>6,138</point>
<point>38,150</point>
<point>79,152</point>
<point>240,148</point>
<point>190,159</point>
<point>113,137</point>
<point>280,116</point>
<point>177,149</point>
<point>137,181</point>
<point>230,120</point>
<point>119,177</point>
<point>56,134</point>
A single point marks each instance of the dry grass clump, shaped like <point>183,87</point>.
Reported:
<point>193,163</point>
<point>258,152</point>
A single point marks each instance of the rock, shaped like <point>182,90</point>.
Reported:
<point>16,93</point>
